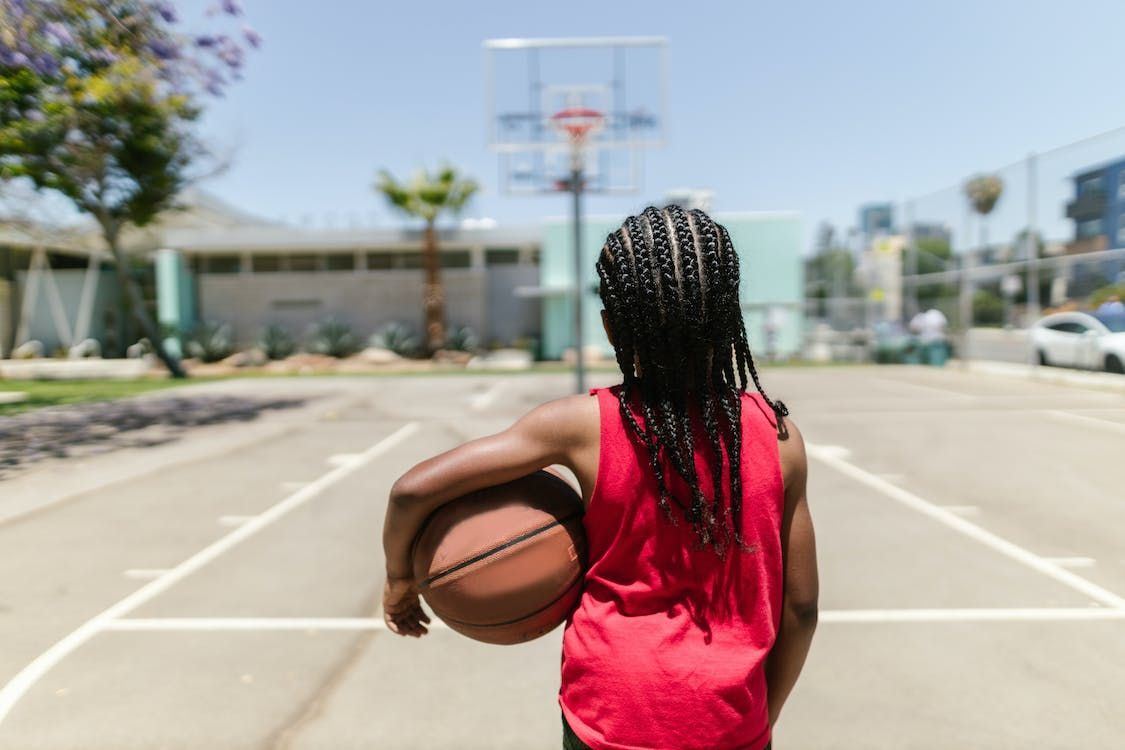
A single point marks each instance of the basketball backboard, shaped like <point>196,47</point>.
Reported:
<point>529,81</point>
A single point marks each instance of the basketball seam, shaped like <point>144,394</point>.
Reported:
<point>505,545</point>
<point>577,580</point>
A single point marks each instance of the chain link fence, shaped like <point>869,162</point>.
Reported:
<point>993,254</point>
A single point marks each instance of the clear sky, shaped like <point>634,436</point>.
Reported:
<point>807,106</point>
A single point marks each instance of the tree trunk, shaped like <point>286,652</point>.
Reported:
<point>134,303</point>
<point>433,295</point>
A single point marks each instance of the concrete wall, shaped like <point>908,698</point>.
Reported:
<point>367,300</point>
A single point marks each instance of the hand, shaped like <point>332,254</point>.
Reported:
<point>402,609</point>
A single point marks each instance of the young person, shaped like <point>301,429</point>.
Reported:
<point>700,597</point>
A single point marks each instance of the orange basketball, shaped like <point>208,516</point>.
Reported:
<point>504,565</point>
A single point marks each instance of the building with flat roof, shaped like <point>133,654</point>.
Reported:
<point>510,284</point>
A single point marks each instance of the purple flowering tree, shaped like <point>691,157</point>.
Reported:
<point>98,101</point>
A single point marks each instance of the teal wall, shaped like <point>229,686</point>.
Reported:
<point>175,297</point>
<point>768,246</point>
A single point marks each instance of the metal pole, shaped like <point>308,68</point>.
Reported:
<point>912,259</point>
<point>1033,302</point>
<point>966,300</point>
<point>579,357</point>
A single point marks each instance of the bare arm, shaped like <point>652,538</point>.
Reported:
<point>557,432</point>
<point>799,604</point>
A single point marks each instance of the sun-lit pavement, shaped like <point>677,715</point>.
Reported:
<point>222,591</point>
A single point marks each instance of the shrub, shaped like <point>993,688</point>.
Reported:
<point>333,337</point>
<point>210,341</point>
<point>397,337</point>
<point>1101,295</point>
<point>988,308</point>
<point>276,342</point>
<point>461,339</point>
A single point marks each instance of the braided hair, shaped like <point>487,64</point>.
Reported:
<point>669,284</point>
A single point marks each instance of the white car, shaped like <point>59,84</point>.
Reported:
<point>1075,339</point>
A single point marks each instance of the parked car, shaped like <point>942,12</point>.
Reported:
<point>1077,339</point>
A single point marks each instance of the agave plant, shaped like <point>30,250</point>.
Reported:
<point>276,342</point>
<point>462,339</point>
<point>210,341</point>
<point>397,337</point>
<point>333,337</point>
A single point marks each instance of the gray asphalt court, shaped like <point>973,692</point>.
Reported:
<point>222,591</point>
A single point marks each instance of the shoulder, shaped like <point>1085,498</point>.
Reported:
<point>569,419</point>
<point>791,453</point>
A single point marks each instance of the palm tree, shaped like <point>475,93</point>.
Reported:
<point>427,196</point>
<point>983,192</point>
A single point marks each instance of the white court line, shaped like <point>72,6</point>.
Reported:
<point>234,520</point>
<point>965,511</point>
<point>1073,562</point>
<point>485,399</point>
<point>968,528</point>
<point>1081,419</point>
<point>928,388</point>
<point>144,573</point>
<point>1011,614</point>
<point>829,617</point>
<point>220,624</point>
<point>18,686</point>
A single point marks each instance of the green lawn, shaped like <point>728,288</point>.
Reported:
<point>51,392</point>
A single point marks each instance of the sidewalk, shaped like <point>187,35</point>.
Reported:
<point>1058,375</point>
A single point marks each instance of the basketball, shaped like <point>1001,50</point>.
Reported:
<point>504,565</point>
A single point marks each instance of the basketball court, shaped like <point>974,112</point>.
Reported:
<point>226,594</point>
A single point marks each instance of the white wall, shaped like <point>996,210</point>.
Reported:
<point>366,300</point>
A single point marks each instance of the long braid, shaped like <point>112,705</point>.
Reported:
<point>669,281</point>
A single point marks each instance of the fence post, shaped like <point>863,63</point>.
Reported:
<point>911,259</point>
<point>1033,303</point>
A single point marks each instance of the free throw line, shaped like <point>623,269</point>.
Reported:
<point>19,685</point>
<point>828,617</point>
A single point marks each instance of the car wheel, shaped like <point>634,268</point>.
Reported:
<point>1113,364</point>
<point>1043,358</point>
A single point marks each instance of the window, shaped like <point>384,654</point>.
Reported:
<point>1089,184</point>
<point>304,263</point>
<point>1121,183</point>
<point>265,263</point>
<point>456,259</point>
<point>501,257</point>
<point>339,262</point>
<point>1089,228</point>
<point>380,261</point>
<point>1068,327</point>
<point>221,264</point>
<point>1121,229</point>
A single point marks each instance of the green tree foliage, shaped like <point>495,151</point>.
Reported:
<point>98,99</point>
<point>428,196</point>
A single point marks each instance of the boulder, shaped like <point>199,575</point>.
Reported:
<point>28,350</point>
<point>377,355</point>
<point>248,358</point>
<point>502,359</point>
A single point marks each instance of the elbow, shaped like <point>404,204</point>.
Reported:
<point>404,492</point>
<point>803,614</point>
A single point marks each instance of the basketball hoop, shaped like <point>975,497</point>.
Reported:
<point>577,124</point>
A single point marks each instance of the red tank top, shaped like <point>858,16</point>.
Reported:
<point>668,645</point>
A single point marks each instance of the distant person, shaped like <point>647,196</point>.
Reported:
<point>700,599</point>
<point>929,326</point>
<point>1112,307</point>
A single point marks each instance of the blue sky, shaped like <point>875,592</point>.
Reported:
<point>807,106</point>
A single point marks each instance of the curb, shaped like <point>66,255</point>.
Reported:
<point>1055,375</point>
